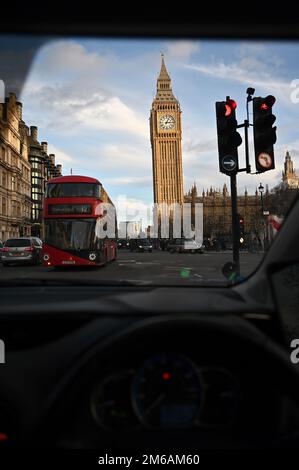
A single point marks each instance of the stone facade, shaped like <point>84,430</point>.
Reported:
<point>217,219</point>
<point>289,175</point>
<point>166,136</point>
<point>15,171</point>
<point>25,166</point>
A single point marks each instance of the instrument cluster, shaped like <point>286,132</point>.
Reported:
<point>168,391</point>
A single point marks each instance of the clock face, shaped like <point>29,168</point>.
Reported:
<point>167,121</point>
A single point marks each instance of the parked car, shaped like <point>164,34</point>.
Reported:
<point>141,244</point>
<point>23,249</point>
<point>185,245</point>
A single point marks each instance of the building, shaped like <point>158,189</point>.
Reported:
<point>130,229</point>
<point>15,171</point>
<point>166,136</point>
<point>25,167</point>
<point>217,217</point>
<point>289,175</point>
<point>43,168</point>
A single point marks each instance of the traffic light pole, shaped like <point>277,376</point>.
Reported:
<point>246,127</point>
<point>235,222</point>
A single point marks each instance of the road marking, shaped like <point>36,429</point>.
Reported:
<point>128,261</point>
<point>147,262</point>
<point>178,268</point>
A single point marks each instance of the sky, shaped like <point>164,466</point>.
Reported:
<point>91,100</point>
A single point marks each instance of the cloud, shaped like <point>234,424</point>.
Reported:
<point>131,180</point>
<point>120,156</point>
<point>181,50</point>
<point>66,82</point>
<point>249,48</point>
<point>112,114</point>
<point>69,57</point>
<point>198,146</point>
<point>259,50</point>
<point>248,71</point>
<point>61,156</point>
<point>70,109</point>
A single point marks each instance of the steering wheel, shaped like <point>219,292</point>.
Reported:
<point>211,336</point>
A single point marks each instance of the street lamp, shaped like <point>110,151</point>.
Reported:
<point>261,190</point>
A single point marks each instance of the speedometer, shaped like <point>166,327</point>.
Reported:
<point>111,404</point>
<point>167,392</point>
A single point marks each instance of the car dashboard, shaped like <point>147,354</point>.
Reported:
<point>141,379</point>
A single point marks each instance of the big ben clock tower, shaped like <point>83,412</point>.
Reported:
<point>166,137</point>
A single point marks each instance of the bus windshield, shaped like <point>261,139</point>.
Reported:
<point>73,190</point>
<point>70,234</point>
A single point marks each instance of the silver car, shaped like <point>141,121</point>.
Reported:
<point>24,249</point>
<point>185,245</point>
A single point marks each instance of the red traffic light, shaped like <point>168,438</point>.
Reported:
<point>228,110</point>
<point>268,102</point>
<point>230,105</point>
<point>233,103</point>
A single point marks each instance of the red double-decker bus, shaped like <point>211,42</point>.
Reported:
<point>73,207</point>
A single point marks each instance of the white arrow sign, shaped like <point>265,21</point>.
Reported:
<point>229,163</point>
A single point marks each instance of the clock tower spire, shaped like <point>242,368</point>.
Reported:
<point>166,137</point>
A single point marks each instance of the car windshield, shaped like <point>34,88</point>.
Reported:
<point>187,146</point>
<point>18,242</point>
<point>144,242</point>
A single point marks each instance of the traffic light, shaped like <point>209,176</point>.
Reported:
<point>241,230</point>
<point>263,133</point>
<point>228,137</point>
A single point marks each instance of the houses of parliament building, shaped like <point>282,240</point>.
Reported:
<point>166,136</point>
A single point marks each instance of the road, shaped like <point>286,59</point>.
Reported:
<point>158,267</point>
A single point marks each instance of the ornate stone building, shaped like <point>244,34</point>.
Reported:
<point>24,169</point>
<point>15,171</point>
<point>166,135</point>
<point>217,210</point>
<point>289,175</point>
